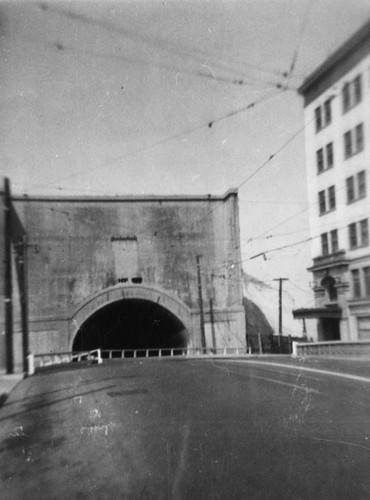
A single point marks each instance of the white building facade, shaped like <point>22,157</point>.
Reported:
<point>337,137</point>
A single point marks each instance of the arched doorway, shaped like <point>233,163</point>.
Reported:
<point>130,317</point>
<point>131,324</point>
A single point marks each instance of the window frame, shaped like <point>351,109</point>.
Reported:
<point>325,158</point>
<point>323,115</point>
<point>356,187</point>
<point>356,283</point>
<point>318,119</point>
<point>364,232</point>
<point>324,244</point>
<point>352,232</point>
<point>348,144</point>
<point>334,241</point>
<point>329,155</point>
<point>350,189</point>
<point>361,184</point>
<point>366,280</point>
<point>352,93</point>
<point>327,200</point>
<point>331,199</point>
<point>358,233</point>
<point>354,141</point>
<point>322,202</point>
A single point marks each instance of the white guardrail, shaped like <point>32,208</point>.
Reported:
<point>97,355</point>
<point>40,360</point>
<point>338,348</point>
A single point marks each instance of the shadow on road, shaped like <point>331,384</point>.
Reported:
<point>55,401</point>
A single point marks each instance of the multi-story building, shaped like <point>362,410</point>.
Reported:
<point>337,136</point>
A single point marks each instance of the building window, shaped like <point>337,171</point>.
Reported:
<point>329,242</point>
<point>356,283</point>
<point>322,202</point>
<point>345,97</point>
<point>357,90</point>
<point>352,93</point>
<point>323,115</point>
<point>327,200</point>
<point>366,273</point>
<point>320,160</point>
<point>364,232</point>
<point>361,184</point>
<point>356,187</point>
<point>334,241</point>
<point>358,234</point>
<point>350,190</point>
<point>361,282</point>
<point>359,138</point>
<point>318,121</point>
<point>325,158</point>
<point>329,155</point>
<point>327,112</point>
<point>352,235</point>
<point>331,196</point>
<point>354,141</point>
<point>347,145</point>
<point>324,244</point>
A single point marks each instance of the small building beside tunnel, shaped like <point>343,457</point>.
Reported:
<point>143,272</point>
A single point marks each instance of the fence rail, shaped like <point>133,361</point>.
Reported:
<point>335,348</point>
<point>96,355</point>
<point>173,351</point>
<point>41,360</point>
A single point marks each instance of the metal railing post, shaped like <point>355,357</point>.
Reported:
<point>30,364</point>
<point>294,349</point>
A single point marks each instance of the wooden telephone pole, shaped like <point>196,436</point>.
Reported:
<point>200,298</point>
<point>280,280</point>
<point>8,290</point>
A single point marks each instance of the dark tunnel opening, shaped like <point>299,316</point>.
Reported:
<point>131,324</point>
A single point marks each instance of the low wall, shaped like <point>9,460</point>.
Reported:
<point>359,349</point>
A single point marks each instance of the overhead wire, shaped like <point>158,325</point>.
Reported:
<point>65,47</point>
<point>315,203</point>
<point>154,145</point>
<point>359,217</point>
<point>210,124</point>
<point>299,41</point>
<point>150,41</point>
<point>258,169</point>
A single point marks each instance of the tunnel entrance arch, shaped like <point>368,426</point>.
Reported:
<point>130,317</point>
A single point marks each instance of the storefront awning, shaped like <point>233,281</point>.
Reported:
<point>317,312</point>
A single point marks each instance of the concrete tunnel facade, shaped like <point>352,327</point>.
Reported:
<point>121,272</point>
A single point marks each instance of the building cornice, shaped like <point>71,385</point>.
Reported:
<point>127,199</point>
<point>337,259</point>
<point>337,65</point>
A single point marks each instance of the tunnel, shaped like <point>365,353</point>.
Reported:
<point>131,324</point>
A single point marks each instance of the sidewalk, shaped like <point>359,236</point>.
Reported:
<point>7,383</point>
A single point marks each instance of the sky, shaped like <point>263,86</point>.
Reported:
<point>172,97</point>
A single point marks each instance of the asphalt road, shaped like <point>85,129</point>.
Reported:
<point>186,429</point>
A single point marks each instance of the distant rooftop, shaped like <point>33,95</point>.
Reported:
<point>338,64</point>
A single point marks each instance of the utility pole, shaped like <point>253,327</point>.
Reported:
<point>200,298</point>
<point>23,263</point>
<point>8,291</point>
<point>280,280</point>
<point>212,318</point>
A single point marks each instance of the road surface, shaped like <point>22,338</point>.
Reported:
<point>186,429</point>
